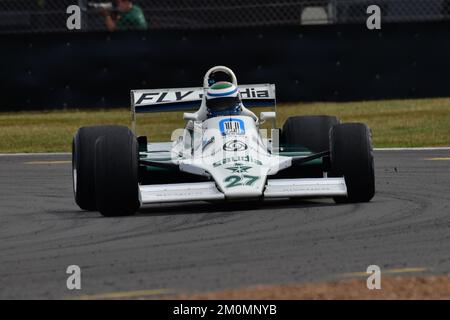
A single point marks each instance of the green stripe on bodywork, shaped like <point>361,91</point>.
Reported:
<point>218,86</point>
<point>146,156</point>
<point>302,154</point>
<point>313,162</point>
<point>150,168</point>
<point>294,153</point>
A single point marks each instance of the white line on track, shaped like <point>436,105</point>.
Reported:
<point>35,154</point>
<point>413,149</point>
<point>68,153</point>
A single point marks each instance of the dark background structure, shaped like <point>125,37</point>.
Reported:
<point>43,16</point>
<point>333,59</point>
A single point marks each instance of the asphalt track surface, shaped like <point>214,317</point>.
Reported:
<point>200,247</point>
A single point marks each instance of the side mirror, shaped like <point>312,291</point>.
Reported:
<point>268,115</point>
<point>190,116</point>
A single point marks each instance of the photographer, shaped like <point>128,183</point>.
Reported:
<point>128,17</point>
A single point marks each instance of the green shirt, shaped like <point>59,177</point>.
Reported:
<point>132,20</point>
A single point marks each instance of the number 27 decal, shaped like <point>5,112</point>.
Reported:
<point>234,181</point>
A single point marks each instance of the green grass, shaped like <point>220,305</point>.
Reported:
<point>395,123</point>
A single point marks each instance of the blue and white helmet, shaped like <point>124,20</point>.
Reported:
<point>223,99</point>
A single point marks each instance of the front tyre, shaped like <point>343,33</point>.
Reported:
<point>352,157</point>
<point>116,173</point>
<point>83,150</point>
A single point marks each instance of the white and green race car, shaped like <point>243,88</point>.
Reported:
<point>220,155</point>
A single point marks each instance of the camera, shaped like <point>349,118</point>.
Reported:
<point>101,5</point>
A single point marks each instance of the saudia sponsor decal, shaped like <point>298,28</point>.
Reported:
<point>193,95</point>
<point>235,159</point>
<point>249,93</point>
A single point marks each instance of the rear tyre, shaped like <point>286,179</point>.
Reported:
<point>311,132</point>
<point>116,172</point>
<point>352,158</point>
<point>83,150</point>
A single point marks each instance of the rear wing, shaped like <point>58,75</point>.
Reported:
<point>180,99</point>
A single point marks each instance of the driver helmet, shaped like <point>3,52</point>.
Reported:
<point>218,76</point>
<point>223,99</point>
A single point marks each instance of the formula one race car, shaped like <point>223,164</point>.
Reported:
<point>221,154</point>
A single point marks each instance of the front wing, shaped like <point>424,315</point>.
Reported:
<point>275,188</point>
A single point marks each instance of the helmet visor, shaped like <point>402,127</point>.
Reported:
<point>222,104</point>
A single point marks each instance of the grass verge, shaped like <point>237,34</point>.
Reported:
<point>394,123</point>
